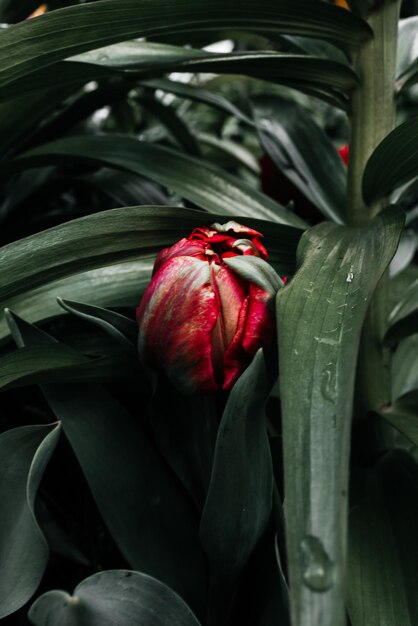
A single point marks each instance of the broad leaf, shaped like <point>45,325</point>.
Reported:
<point>403,320</point>
<point>406,59</point>
<point>118,285</point>
<point>303,152</point>
<point>239,500</point>
<point>34,268</point>
<point>58,363</point>
<point>121,328</point>
<point>146,512</point>
<point>319,319</point>
<point>393,163</point>
<point>404,366</point>
<point>403,415</point>
<point>113,597</point>
<point>24,454</point>
<point>67,32</point>
<point>383,555</point>
<point>196,180</point>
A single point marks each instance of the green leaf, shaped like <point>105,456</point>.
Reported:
<point>113,597</point>
<point>60,363</point>
<point>303,152</point>
<point>199,94</point>
<point>239,500</point>
<point>256,271</point>
<point>403,415</point>
<point>403,319</point>
<point>406,59</point>
<point>24,454</point>
<point>404,367</point>
<point>299,70</point>
<point>117,285</point>
<point>150,519</point>
<point>37,269</point>
<point>123,329</point>
<point>393,163</point>
<point>196,180</point>
<point>319,319</point>
<point>67,32</point>
<point>383,555</point>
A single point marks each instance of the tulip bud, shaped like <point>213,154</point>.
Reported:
<point>201,320</point>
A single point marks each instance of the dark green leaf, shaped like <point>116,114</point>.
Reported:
<point>199,94</point>
<point>303,152</point>
<point>60,363</point>
<point>60,34</point>
<point>33,269</point>
<point>406,59</point>
<point>256,271</point>
<point>403,320</point>
<point>404,376</point>
<point>113,597</point>
<point>239,501</point>
<point>124,330</point>
<point>319,319</point>
<point>118,285</point>
<point>383,554</point>
<point>393,163</point>
<point>24,454</point>
<point>194,179</point>
<point>403,415</point>
<point>146,512</point>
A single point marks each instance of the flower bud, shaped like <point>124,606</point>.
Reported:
<point>201,321</point>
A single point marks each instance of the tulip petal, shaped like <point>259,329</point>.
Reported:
<point>176,319</point>
<point>259,327</point>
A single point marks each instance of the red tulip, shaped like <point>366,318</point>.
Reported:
<point>201,321</point>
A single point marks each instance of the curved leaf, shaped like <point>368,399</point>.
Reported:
<point>239,500</point>
<point>403,415</point>
<point>123,329</point>
<point>113,597</point>
<point>303,152</point>
<point>403,320</point>
<point>117,285</point>
<point>57,363</point>
<point>406,58</point>
<point>404,367</point>
<point>194,179</point>
<point>383,556</point>
<point>150,519</point>
<point>393,163</point>
<point>60,34</point>
<point>48,264</point>
<point>24,454</point>
<point>319,319</point>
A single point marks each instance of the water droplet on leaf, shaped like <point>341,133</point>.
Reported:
<point>318,570</point>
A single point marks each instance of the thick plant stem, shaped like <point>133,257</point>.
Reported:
<point>373,117</point>
<point>373,104</point>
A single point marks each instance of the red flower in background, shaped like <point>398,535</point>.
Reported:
<point>200,321</point>
<point>343,151</point>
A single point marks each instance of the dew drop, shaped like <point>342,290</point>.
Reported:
<point>328,382</point>
<point>318,567</point>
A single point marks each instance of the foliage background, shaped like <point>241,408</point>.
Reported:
<point>171,132</point>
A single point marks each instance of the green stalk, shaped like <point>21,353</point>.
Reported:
<point>372,118</point>
<point>373,104</point>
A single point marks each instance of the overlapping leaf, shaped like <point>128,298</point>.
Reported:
<point>60,34</point>
<point>383,555</point>
<point>194,179</point>
<point>24,454</point>
<point>320,315</point>
<point>303,152</point>
<point>393,163</point>
<point>147,514</point>
<point>115,596</point>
